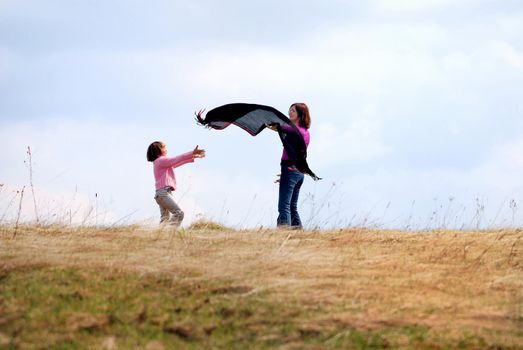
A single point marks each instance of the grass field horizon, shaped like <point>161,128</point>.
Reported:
<point>209,286</point>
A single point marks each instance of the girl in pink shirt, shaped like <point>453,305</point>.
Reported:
<point>163,167</point>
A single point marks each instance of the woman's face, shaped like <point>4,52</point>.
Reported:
<point>293,114</point>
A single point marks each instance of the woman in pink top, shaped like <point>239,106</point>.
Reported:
<point>290,178</point>
<point>166,180</point>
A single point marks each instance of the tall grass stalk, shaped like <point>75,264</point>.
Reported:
<point>248,211</point>
<point>30,165</point>
<point>19,212</point>
<point>9,204</point>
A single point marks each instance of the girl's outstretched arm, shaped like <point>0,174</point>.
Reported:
<point>174,162</point>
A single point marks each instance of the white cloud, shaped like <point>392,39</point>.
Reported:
<point>414,6</point>
<point>6,60</point>
<point>510,24</point>
<point>503,168</point>
<point>398,76</point>
<point>35,204</point>
<point>508,53</point>
<point>457,61</point>
<point>488,195</point>
<point>367,70</point>
<point>361,141</point>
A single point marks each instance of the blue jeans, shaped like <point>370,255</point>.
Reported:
<point>290,183</point>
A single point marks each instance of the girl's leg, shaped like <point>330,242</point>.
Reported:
<point>295,217</point>
<point>164,212</point>
<point>164,215</point>
<point>178,214</point>
<point>168,205</point>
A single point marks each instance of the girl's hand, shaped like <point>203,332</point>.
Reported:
<point>198,153</point>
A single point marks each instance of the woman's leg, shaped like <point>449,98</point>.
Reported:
<point>288,180</point>
<point>284,199</point>
<point>295,217</point>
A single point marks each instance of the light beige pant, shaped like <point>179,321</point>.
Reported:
<point>168,206</point>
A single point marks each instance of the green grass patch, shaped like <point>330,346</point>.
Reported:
<point>67,308</point>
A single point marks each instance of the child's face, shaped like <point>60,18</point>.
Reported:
<point>164,149</point>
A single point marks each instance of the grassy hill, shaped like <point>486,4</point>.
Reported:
<point>212,287</point>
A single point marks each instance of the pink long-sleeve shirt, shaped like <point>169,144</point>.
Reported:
<point>164,169</point>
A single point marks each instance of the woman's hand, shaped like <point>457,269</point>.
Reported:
<point>273,127</point>
<point>278,178</point>
<point>198,153</point>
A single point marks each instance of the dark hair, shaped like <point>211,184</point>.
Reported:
<point>304,117</point>
<point>154,151</point>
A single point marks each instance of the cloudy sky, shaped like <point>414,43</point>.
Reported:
<point>417,115</point>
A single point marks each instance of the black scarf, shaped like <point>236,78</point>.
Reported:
<point>253,118</point>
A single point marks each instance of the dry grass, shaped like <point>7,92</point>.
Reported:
<point>454,283</point>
